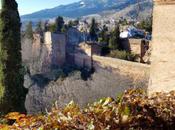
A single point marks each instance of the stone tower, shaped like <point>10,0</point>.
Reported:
<point>162,76</point>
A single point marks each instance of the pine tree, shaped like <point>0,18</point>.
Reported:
<point>103,35</point>
<point>29,30</point>
<point>39,28</point>
<point>12,92</point>
<point>114,42</point>
<point>59,23</point>
<point>93,30</point>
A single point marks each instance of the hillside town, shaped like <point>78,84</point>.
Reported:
<point>117,39</point>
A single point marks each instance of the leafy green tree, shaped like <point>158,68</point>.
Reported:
<point>93,30</point>
<point>29,30</point>
<point>146,25</point>
<point>59,23</point>
<point>114,42</point>
<point>52,28</point>
<point>12,92</point>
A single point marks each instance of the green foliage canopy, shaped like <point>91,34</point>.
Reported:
<point>12,92</point>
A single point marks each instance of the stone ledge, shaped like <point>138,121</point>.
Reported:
<point>164,2</point>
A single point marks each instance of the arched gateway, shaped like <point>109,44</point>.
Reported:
<point>162,76</point>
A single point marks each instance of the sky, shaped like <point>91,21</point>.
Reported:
<point>30,6</point>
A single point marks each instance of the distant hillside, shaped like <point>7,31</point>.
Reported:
<point>88,7</point>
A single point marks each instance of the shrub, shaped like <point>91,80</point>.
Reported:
<point>122,55</point>
<point>131,111</point>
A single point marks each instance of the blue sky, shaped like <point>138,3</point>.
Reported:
<point>29,6</point>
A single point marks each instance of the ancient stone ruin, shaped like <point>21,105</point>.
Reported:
<point>44,53</point>
<point>162,76</point>
<point>112,76</point>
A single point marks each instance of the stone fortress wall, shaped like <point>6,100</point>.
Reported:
<point>135,71</point>
<point>111,78</point>
<point>56,46</point>
<point>52,52</point>
<point>40,56</point>
<point>162,76</point>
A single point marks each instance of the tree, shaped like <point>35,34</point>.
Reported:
<point>114,42</point>
<point>52,28</point>
<point>76,22</point>
<point>70,24</point>
<point>103,35</point>
<point>12,92</point>
<point>59,23</point>
<point>46,24</point>
<point>29,30</point>
<point>39,27</point>
<point>93,30</point>
<point>146,25</point>
<point>65,28</point>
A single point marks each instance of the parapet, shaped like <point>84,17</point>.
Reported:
<point>164,1</point>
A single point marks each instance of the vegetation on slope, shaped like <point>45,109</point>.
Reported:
<point>132,110</point>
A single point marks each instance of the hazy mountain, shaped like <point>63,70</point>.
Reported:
<point>88,7</point>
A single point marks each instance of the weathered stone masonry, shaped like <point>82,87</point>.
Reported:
<point>162,76</point>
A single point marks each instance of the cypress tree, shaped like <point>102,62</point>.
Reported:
<point>12,92</point>
<point>114,42</point>
<point>59,23</point>
<point>39,28</point>
<point>29,30</point>
<point>93,30</point>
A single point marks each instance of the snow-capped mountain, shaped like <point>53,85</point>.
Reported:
<point>89,7</point>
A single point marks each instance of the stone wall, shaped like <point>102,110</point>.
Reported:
<point>40,56</point>
<point>162,76</point>
<point>135,71</point>
<point>26,48</point>
<point>135,45</point>
<point>56,46</point>
<point>111,78</point>
<point>88,48</point>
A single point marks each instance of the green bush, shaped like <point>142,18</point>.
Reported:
<point>124,55</point>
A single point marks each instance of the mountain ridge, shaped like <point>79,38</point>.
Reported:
<point>84,8</point>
